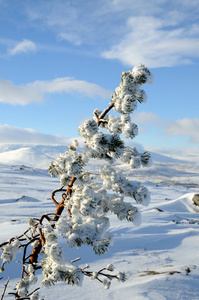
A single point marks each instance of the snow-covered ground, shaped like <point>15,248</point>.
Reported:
<point>161,256</point>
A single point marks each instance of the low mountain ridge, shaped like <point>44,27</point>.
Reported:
<point>40,156</point>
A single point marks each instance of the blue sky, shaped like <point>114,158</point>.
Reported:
<point>59,60</point>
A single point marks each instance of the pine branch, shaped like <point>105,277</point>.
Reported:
<point>72,165</point>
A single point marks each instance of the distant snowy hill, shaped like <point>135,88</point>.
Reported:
<point>33,156</point>
<point>164,158</point>
<point>170,170</point>
<point>40,156</point>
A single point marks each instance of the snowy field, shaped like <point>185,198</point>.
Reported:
<point>161,257</point>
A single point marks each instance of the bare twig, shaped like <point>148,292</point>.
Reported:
<point>4,290</point>
<point>53,195</point>
<point>103,114</point>
<point>60,206</point>
<point>12,239</point>
<point>24,258</point>
<point>76,259</point>
<point>44,217</point>
<point>99,273</point>
<point>33,292</point>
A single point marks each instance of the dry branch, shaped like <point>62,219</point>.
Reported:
<point>100,118</point>
<point>4,290</point>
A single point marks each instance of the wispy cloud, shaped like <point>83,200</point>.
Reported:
<point>22,95</point>
<point>34,92</point>
<point>146,118</point>
<point>187,127</point>
<point>156,33</point>
<point>70,85</point>
<point>155,43</point>
<point>23,47</point>
<point>16,135</point>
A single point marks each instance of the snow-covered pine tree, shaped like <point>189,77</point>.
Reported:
<point>89,198</point>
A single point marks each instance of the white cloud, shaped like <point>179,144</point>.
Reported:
<point>23,95</point>
<point>186,126</point>
<point>157,33</point>
<point>155,42</point>
<point>16,135</point>
<point>147,118</point>
<point>34,92</point>
<point>69,85</point>
<point>23,47</point>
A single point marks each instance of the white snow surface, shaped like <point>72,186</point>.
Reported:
<point>165,243</point>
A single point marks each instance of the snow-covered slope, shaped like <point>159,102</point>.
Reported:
<point>160,257</point>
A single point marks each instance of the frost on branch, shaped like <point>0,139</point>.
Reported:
<point>116,181</point>
<point>68,164</point>
<point>89,230</point>
<point>135,159</point>
<point>129,91</point>
<point>56,267</point>
<point>110,146</point>
<point>24,284</point>
<point>9,252</point>
<point>98,144</point>
<point>89,198</point>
